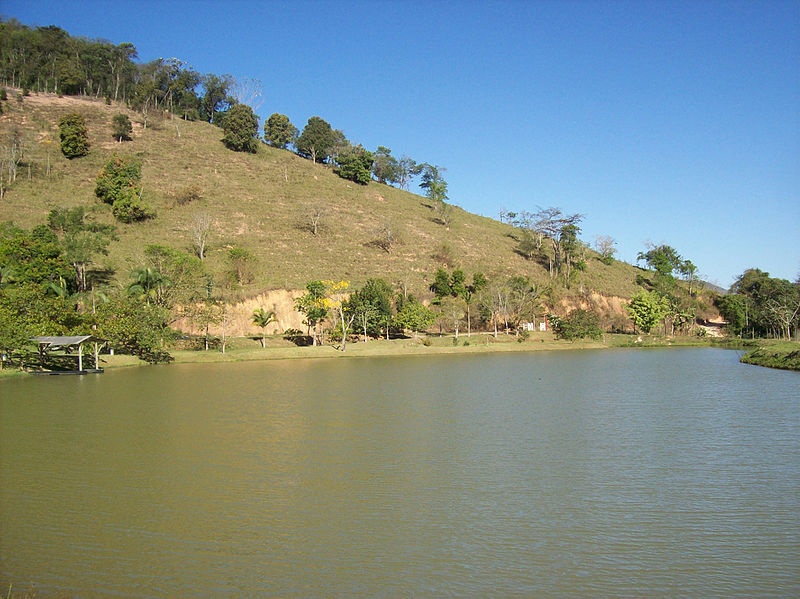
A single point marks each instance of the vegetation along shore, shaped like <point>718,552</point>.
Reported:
<point>144,204</point>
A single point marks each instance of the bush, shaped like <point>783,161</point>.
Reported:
<point>74,136</point>
<point>130,209</point>
<point>579,324</point>
<point>118,185</point>
<point>188,195</point>
<point>122,127</point>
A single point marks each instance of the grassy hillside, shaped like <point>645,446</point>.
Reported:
<point>260,202</point>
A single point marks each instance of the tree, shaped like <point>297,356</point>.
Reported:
<point>181,275</point>
<point>33,257</point>
<point>523,300</point>
<point>81,239</point>
<point>664,260</point>
<point>471,292</point>
<point>147,285</point>
<point>133,327</point>
<point>388,236</point>
<point>316,140</point>
<point>414,316</point>
<point>688,272</point>
<point>248,91</point>
<point>552,223</point>
<point>433,183</point>
<point>262,319</point>
<point>579,324</point>
<point>241,129</point>
<point>336,301</point>
<point>355,164</point>
<point>313,217</point>
<point>372,305</point>
<point>241,263</point>
<point>217,98</point>
<point>605,246</point>
<point>74,135</point>
<point>454,310</point>
<point>279,131</point>
<point>441,284</point>
<point>313,306</point>
<point>121,127</point>
<point>735,309</point>
<point>647,309</point>
<point>201,229</point>
<point>385,166</point>
<point>118,185</point>
<point>406,170</point>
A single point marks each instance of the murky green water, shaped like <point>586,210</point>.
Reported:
<point>643,473</point>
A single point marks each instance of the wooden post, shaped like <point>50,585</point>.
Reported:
<point>96,362</point>
<point>80,357</point>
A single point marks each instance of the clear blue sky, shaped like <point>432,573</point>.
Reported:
<point>665,122</point>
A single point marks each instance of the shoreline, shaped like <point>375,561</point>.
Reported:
<point>241,349</point>
<point>765,353</point>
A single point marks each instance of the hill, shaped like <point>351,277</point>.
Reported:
<point>263,203</point>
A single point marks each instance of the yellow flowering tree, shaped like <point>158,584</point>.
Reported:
<point>335,300</point>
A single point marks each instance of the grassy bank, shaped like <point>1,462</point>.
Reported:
<point>242,349</point>
<point>775,354</point>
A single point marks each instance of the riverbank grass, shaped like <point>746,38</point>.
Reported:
<point>775,354</point>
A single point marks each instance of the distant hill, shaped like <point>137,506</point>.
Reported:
<point>263,203</point>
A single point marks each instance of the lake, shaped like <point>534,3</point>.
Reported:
<point>620,472</point>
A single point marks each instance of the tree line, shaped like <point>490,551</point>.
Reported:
<point>49,60</point>
<point>50,284</point>
<point>759,305</point>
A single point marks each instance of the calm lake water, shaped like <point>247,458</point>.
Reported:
<point>626,472</point>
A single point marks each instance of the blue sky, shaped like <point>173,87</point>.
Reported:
<point>664,122</point>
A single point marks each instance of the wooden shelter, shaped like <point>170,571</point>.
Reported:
<point>67,344</point>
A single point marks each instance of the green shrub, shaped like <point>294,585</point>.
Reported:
<point>118,185</point>
<point>130,209</point>
<point>74,135</point>
<point>122,127</point>
<point>579,324</point>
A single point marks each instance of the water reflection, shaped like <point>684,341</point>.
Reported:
<point>630,472</point>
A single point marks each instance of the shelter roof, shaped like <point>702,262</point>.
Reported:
<point>55,342</point>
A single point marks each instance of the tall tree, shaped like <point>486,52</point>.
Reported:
<point>279,131</point>
<point>433,183</point>
<point>407,169</point>
<point>217,96</point>
<point>241,129</point>
<point>385,166</point>
<point>312,305</point>
<point>81,239</point>
<point>316,140</point>
<point>372,305</point>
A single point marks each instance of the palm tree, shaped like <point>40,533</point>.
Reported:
<point>261,318</point>
<point>146,284</point>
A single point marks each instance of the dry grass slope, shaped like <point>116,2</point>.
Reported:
<point>260,202</point>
